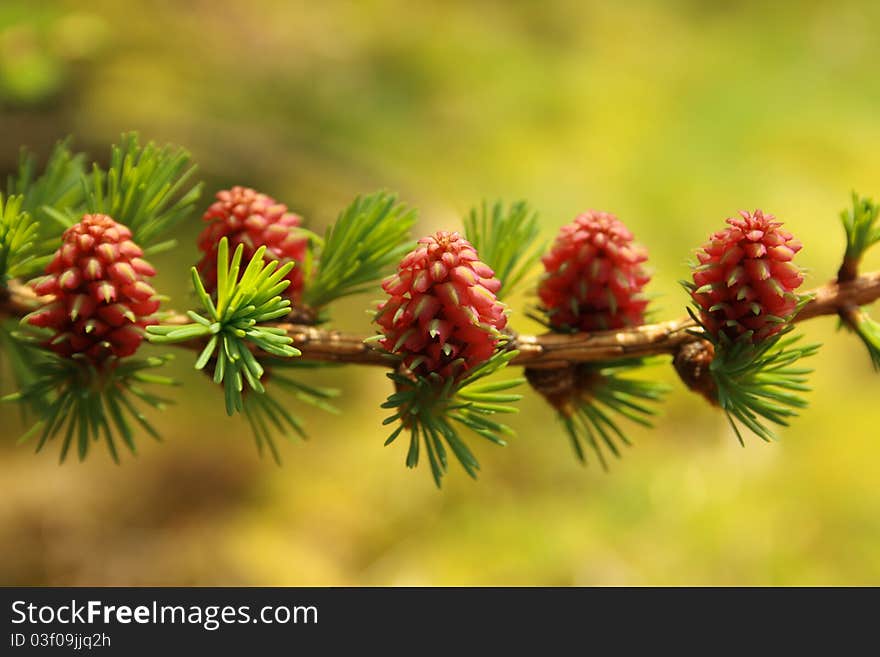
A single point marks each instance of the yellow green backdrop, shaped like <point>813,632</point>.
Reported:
<point>673,115</point>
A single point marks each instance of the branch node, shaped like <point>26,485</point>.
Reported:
<point>691,362</point>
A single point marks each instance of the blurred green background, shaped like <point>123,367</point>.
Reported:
<point>671,114</point>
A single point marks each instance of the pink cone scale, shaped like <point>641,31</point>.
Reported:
<point>102,298</point>
<point>594,276</point>
<point>746,279</point>
<point>442,315</point>
<point>247,217</point>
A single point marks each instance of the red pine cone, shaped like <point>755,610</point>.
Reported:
<point>442,316</point>
<point>102,300</point>
<point>248,217</point>
<point>594,276</point>
<point>746,279</point>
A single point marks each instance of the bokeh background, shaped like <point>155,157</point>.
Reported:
<point>672,114</point>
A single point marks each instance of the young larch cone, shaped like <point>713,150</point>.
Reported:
<point>247,217</point>
<point>745,282</point>
<point>594,276</point>
<point>442,316</point>
<point>102,298</point>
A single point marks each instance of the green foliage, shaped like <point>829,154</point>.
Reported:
<point>58,188</point>
<point>22,356</point>
<point>434,409</point>
<point>270,414</point>
<point>147,188</point>
<point>861,226</point>
<point>369,237</point>
<point>862,232</point>
<point>868,331</point>
<point>56,193</point>
<point>18,234</point>
<point>603,395</point>
<point>760,381</point>
<point>78,402</point>
<point>506,239</point>
<point>232,325</point>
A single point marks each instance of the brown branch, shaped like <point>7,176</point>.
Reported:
<point>541,351</point>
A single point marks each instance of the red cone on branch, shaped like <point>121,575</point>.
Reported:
<point>594,276</point>
<point>443,315</point>
<point>102,299</point>
<point>746,280</point>
<point>248,217</point>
